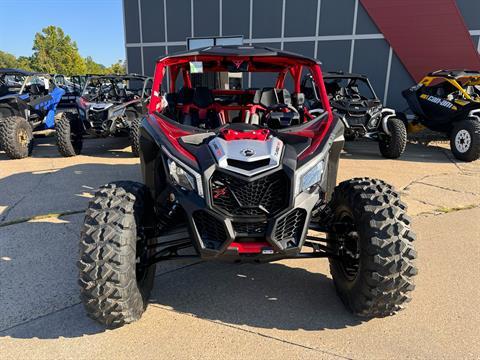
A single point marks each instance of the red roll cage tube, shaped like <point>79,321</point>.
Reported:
<point>219,63</point>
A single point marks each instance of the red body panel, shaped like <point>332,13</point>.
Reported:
<point>426,35</point>
<point>280,64</point>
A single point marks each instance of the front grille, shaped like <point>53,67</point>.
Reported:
<point>357,118</point>
<point>248,228</point>
<point>97,118</point>
<point>212,231</point>
<point>265,196</point>
<point>288,229</point>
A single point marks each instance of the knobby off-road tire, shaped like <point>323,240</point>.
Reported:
<point>113,287</point>
<point>465,140</point>
<point>16,137</point>
<point>135,133</point>
<point>377,281</point>
<point>68,134</point>
<point>392,146</point>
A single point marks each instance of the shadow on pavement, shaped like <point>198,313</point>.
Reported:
<point>109,147</point>
<point>368,150</point>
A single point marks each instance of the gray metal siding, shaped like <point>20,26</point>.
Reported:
<point>236,18</point>
<point>179,25</point>
<point>470,10</point>
<point>300,17</point>
<point>132,21</point>
<point>267,18</point>
<point>329,34</point>
<point>153,26</point>
<point>336,17</point>
<point>206,18</point>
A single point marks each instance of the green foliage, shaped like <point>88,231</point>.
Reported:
<point>55,52</point>
<point>7,60</point>
<point>118,68</point>
<point>93,68</point>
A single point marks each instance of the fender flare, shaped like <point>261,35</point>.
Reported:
<point>387,113</point>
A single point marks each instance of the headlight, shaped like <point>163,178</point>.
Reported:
<point>180,176</point>
<point>308,176</point>
<point>183,176</point>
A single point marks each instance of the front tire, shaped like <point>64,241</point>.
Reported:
<point>465,140</point>
<point>68,133</point>
<point>114,282</point>
<point>16,137</point>
<point>374,267</point>
<point>135,134</point>
<point>392,146</point>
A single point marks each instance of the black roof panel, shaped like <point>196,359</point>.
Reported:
<point>239,50</point>
<point>455,73</point>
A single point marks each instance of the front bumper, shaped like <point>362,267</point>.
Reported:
<point>220,235</point>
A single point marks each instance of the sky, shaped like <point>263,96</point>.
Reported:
<point>96,26</point>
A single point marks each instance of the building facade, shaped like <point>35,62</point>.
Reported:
<point>340,33</point>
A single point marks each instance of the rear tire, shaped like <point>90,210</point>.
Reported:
<point>16,137</point>
<point>374,268</point>
<point>392,146</point>
<point>114,284</point>
<point>135,134</point>
<point>465,140</point>
<point>68,133</point>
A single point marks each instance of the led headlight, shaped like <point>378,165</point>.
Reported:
<point>183,176</point>
<point>180,176</point>
<point>308,176</point>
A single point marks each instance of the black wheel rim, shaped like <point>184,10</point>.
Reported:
<point>348,244</point>
<point>142,253</point>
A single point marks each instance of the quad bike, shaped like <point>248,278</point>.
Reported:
<point>353,99</point>
<point>28,102</point>
<point>242,175</point>
<point>110,105</point>
<point>448,101</point>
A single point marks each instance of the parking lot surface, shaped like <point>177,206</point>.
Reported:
<point>286,309</point>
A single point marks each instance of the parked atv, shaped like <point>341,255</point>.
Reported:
<point>242,175</point>
<point>28,102</point>
<point>73,86</point>
<point>448,101</point>
<point>352,97</point>
<point>110,105</point>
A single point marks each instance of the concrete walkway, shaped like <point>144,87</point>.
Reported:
<point>287,309</point>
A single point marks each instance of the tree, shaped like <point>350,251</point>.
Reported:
<point>118,68</point>
<point>91,67</point>
<point>7,60</point>
<point>55,52</point>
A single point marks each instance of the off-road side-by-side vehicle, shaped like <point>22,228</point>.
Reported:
<point>109,105</point>
<point>448,101</point>
<point>242,175</point>
<point>73,86</point>
<point>28,102</point>
<point>353,99</point>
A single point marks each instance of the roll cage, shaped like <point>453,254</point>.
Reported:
<point>107,87</point>
<point>237,59</point>
<point>465,83</point>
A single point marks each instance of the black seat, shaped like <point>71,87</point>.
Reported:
<point>203,97</point>
<point>35,89</point>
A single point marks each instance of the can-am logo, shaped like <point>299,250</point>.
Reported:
<point>247,152</point>
<point>440,102</point>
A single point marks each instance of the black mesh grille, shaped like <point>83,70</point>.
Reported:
<point>97,118</point>
<point>289,229</point>
<point>212,231</point>
<point>265,196</point>
<point>256,228</point>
